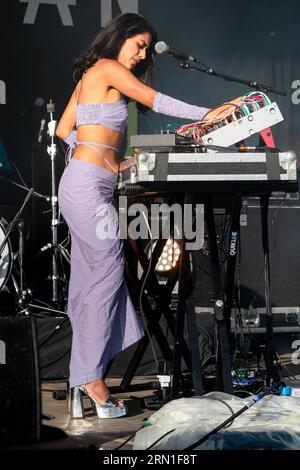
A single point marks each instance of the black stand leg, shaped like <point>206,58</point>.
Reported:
<point>182,295</point>
<point>223,379</point>
<point>162,295</point>
<point>194,344</point>
<point>232,255</point>
<point>185,310</point>
<point>272,371</point>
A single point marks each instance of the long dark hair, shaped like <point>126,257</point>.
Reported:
<point>108,43</point>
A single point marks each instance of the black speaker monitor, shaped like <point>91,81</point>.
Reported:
<point>20,401</point>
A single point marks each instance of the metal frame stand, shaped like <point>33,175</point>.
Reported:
<point>162,294</point>
<point>272,370</point>
<point>52,151</point>
<point>57,249</point>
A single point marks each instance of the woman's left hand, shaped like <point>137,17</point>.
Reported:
<point>221,112</point>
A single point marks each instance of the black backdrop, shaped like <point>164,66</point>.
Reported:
<point>256,40</point>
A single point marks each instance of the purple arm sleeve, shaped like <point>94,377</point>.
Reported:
<point>71,138</point>
<point>165,104</point>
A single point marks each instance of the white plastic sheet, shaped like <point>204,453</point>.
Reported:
<point>272,423</point>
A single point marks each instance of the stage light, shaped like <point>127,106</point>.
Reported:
<point>168,258</point>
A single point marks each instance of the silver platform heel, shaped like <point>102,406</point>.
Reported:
<point>76,408</point>
<point>109,409</point>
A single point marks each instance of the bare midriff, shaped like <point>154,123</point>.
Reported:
<point>101,135</point>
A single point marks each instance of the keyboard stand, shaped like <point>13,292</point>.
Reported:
<point>162,295</point>
<point>222,301</point>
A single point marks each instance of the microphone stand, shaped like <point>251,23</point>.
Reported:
<point>52,151</point>
<point>210,71</point>
<point>34,193</point>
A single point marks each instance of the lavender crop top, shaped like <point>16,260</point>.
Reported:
<point>112,115</point>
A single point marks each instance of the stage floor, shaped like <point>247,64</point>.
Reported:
<point>61,432</point>
<point>110,434</point>
<point>106,434</point>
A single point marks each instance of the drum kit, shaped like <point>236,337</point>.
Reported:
<point>6,258</point>
<point>12,278</point>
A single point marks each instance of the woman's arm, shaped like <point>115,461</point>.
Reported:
<point>68,120</point>
<point>120,78</point>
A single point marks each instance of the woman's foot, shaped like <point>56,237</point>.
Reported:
<point>103,404</point>
<point>99,391</point>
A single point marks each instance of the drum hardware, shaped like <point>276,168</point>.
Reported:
<point>5,247</point>
<point>21,294</point>
<point>59,252</point>
<point>16,219</point>
<point>6,259</point>
<point>25,299</point>
<point>24,294</point>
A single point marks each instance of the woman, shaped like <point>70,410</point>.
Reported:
<point>116,67</point>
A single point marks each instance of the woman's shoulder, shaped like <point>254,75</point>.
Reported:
<point>99,69</point>
<point>94,71</point>
<point>107,65</point>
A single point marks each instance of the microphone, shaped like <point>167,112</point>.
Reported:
<point>39,102</point>
<point>35,107</point>
<point>43,122</point>
<point>162,48</point>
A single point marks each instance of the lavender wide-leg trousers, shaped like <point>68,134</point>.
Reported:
<point>102,316</point>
